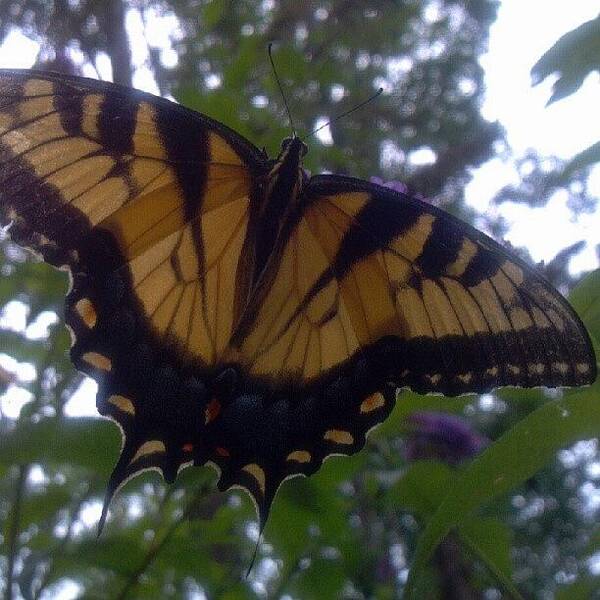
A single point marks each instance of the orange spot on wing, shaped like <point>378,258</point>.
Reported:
<point>372,402</point>
<point>212,411</point>
<point>300,456</point>
<point>188,447</point>
<point>222,452</point>
<point>338,436</point>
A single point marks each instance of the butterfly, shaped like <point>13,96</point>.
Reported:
<point>236,311</point>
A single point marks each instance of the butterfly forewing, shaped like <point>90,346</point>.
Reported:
<point>366,267</point>
<point>172,191</point>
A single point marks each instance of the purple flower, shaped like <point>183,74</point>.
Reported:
<point>398,186</point>
<point>442,436</point>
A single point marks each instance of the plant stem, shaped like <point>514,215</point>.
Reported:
<point>12,534</point>
<point>156,547</point>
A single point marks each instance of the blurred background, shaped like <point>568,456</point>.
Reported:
<point>489,110</point>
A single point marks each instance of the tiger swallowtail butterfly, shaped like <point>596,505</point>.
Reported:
<point>237,312</point>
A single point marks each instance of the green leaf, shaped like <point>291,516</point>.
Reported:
<point>585,299</point>
<point>573,57</point>
<point>593,545</point>
<point>324,579</point>
<point>422,487</point>
<point>236,73</point>
<point>489,539</point>
<point>585,158</point>
<point>212,14</point>
<point>238,591</point>
<point>512,459</point>
<point>85,442</point>
<point>22,349</point>
<point>40,507</point>
<point>120,554</point>
<point>302,503</point>
<point>582,589</point>
<point>194,555</point>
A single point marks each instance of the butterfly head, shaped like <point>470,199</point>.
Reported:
<point>292,146</point>
<point>286,170</point>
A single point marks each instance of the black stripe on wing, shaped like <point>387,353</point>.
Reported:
<point>533,336</point>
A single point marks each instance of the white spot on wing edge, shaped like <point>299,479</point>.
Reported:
<point>147,448</point>
<point>87,312</point>
<point>98,361</point>
<point>299,456</point>
<point>258,474</point>
<point>339,436</point>
<point>122,403</point>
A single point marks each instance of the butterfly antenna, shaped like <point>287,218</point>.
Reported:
<point>287,108</point>
<point>344,114</point>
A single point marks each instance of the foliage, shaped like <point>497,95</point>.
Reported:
<point>432,92</point>
<point>572,58</point>
<point>353,529</point>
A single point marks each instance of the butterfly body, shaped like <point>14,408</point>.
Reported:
<point>236,311</point>
<point>279,200</point>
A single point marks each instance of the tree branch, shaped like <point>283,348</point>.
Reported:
<point>62,544</point>
<point>156,547</point>
<point>13,530</point>
<point>118,42</point>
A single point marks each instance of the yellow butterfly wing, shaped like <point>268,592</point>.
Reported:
<point>366,267</point>
<point>147,204</point>
<point>83,163</point>
<point>375,291</point>
<point>203,356</point>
